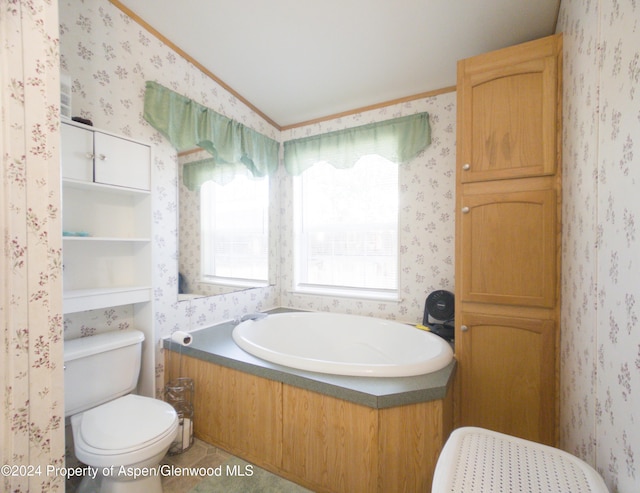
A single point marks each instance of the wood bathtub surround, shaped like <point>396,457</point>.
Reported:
<point>237,413</point>
<point>321,442</point>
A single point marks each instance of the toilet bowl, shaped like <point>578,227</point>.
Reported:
<point>120,436</point>
<point>124,440</point>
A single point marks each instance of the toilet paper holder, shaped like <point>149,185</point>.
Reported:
<point>179,393</point>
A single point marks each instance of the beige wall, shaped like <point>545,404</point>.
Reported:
<point>600,396</point>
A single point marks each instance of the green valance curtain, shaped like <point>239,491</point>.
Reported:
<point>194,174</point>
<point>398,140</point>
<point>188,125</point>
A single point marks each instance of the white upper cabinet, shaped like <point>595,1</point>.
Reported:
<point>121,162</point>
<point>95,156</point>
<point>77,153</point>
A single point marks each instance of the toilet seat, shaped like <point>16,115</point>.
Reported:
<point>124,431</point>
<point>126,424</point>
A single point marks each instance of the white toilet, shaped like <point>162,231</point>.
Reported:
<point>114,432</point>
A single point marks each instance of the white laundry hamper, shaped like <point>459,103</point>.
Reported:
<point>476,460</point>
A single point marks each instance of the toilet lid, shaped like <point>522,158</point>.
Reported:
<point>125,423</point>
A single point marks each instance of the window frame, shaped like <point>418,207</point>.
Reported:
<point>301,286</point>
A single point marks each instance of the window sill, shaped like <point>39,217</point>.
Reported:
<point>353,293</point>
<point>235,283</point>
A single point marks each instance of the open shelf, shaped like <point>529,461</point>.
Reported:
<point>80,300</point>
<point>92,186</point>
<point>104,239</point>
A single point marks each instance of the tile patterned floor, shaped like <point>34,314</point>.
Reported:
<point>218,471</point>
<point>222,472</point>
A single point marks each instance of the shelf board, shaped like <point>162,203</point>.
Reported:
<point>105,238</point>
<point>92,186</point>
<point>80,300</point>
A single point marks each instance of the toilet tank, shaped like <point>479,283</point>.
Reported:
<point>100,368</point>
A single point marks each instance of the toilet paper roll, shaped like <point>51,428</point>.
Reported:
<point>186,433</point>
<point>182,338</point>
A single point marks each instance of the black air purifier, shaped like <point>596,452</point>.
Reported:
<point>439,314</point>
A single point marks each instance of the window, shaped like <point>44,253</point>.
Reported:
<point>234,227</point>
<point>347,229</point>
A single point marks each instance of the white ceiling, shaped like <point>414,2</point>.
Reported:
<point>298,60</point>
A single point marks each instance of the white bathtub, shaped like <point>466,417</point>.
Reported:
<point>343,344</point>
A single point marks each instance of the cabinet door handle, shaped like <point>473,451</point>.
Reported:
<point>465,210</point>
<point>464,328</point>
<point>466,167</point>
<point>89,155</point>
<point>102,157</point>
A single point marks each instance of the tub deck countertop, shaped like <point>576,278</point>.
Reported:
<point>215,344</point>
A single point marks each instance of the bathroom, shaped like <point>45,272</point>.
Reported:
<point>600,349</point>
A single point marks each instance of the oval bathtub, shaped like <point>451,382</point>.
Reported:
<point>343,344</point>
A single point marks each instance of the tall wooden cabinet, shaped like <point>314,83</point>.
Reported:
<point>508,214</point>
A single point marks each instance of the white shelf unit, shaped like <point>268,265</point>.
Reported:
<point>106,227</point>
<point>114,253</point>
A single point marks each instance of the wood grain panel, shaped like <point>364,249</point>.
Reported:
<point>509,247</point>
<point>511,129</point>
<point>411,438</point>
<point>330,443</point>
<point>239,412</point>
<point>507,113</point>
<point>507,367</point>
<point>321,442</point>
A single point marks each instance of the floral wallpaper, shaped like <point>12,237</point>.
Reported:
<point>31,375</point>
<point>600,397</point>
<point>579,276</point>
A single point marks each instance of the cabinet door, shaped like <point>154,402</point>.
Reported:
<point>76,152</point>
<point>328,442</point>
<point>508,245</point>
<point>508,114</point>
<point>122,162</point>
<point>507,373</point>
